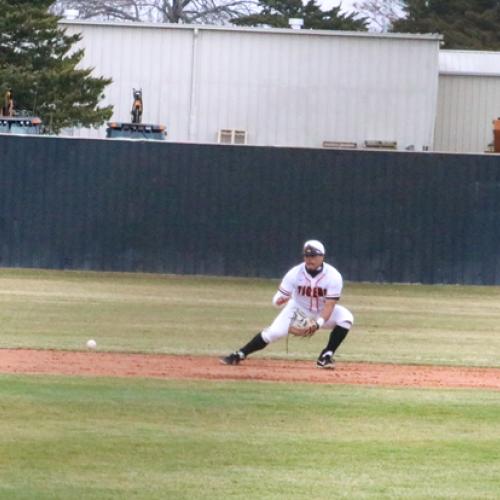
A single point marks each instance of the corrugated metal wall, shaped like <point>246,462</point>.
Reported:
<point>157,61</point>
<point>468,100</point>
<point>245,211</point>
<point>284,87</point>
<point>467,105</point>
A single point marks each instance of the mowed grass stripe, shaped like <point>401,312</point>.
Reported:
<point>150,439</point>
<point>451,325</point>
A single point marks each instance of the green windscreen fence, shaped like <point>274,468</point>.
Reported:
<point>245,211</point>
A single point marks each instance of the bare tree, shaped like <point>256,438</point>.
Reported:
<point>381,13</point>
<point>163,11</point>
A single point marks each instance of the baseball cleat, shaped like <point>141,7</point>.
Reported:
<point>326,362</point>
<point>233,359</point>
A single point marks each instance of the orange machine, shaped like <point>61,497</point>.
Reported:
<point>496,135</point>
<point>8,104</point>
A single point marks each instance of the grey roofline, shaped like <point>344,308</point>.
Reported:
<point>468,73</point>
<point>433,37</point>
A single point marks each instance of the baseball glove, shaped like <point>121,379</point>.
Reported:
<point>301,325</point>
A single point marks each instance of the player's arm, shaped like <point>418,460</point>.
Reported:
<point>327,311</point>
<point>281,297</point>
<point>332,297</point>
<point>286,288</point>
<point>324,316</point>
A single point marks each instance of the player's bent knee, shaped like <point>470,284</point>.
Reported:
<point>344,318</point>
<point>347,324</point>
<point>270,336</point>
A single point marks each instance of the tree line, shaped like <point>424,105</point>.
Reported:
<point>41,68</point>
<point>464,24</point>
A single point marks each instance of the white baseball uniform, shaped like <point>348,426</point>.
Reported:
<point>309,294</point>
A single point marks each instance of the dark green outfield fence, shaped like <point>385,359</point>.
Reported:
<point>245,211</point>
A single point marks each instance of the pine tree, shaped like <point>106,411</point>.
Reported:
<point>464,24</point>
<point>39,65</point>
<point>276,13</point>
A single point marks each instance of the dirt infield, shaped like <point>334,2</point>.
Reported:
<point>27,361</point>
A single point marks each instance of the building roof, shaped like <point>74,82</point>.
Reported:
<point>469,63</point>
<point>434,37</point>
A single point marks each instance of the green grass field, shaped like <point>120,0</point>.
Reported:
<point>448,325</point>
<point>104,438</point>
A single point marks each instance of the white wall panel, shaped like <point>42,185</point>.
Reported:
<point>284,87</point>
<point>158,61</point>
<point>467,106</point>
<point>469,100</point>
<point>289,90</point>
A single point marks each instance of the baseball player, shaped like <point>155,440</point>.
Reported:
<point>314,287</point>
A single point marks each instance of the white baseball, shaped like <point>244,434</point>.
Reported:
<point>91,344</point>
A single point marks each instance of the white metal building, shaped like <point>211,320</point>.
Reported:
<point>469,100</point>
<point>278,87</point>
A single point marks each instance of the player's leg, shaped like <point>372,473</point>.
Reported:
<point>275,331</point>
<point>340,322</point>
